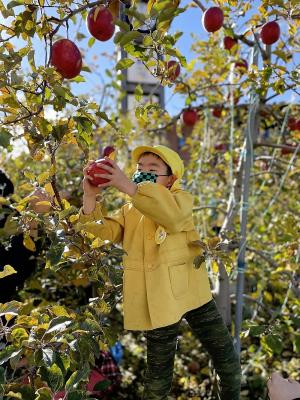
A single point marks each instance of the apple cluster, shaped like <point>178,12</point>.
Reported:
<point>65,55</point>
<point>213,19</point>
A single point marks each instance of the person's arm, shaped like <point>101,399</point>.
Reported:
<point>92,220</point>
<point>173,211</point>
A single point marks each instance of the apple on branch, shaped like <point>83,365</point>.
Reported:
<point>100,23</point>
<point>66,58</point>
<point>270,32</point>
<point>229,42</point>
<point>217,112</point>
<point>241,65</point>
<point>173,70</point>
<point>190,117</point>
<point>95,167</point>
<point>212,19</point>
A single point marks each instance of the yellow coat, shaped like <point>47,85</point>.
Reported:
<point>160,283</point>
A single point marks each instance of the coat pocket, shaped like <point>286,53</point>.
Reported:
<point>179,279</point>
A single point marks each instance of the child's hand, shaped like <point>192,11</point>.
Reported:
<point>116,177</point>
<point>88,188</point>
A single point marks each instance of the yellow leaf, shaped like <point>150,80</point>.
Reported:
<point>73,218</point>
<point>26,186</point>
<point>20,208</point>
<point>48,188</point>
<point>29,175</point>
<point>7,270</point>
<point>3,200</point>
<point>52,170</point>
<point>60,311</point>
<point>66,204</point>
<point>215,267</point>
<point>97,243</point>
<point>42,177</point>
<point>80,282</point>
<point>38,155</point>
<point>28,243</point>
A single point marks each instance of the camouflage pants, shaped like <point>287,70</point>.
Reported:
<point>208,326</point>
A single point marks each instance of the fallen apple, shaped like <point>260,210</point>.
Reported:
<point>66,58</point>
<point>100,23</point>
<point>212,19</point>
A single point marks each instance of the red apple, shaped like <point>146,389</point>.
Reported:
<point>292,124</point>
<point>100,23</point>
<point>108,151</point>
<point>66,58</point>
<point>189,117</point>
<point>286,150</point>
<point>241,65</point>
<point>95,168</point>
<point>212,19</point>
<point>222,147</point>
<point>270,32</point>
<point>193,367</point>
<point>217,112</point>
<point>173,68</point>
<point>229,42</point>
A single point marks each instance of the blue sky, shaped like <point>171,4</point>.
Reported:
<point>189,22</point>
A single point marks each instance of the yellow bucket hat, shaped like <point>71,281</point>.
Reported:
<point>168,155</point>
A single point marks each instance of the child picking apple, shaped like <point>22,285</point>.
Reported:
<point>161,285</point>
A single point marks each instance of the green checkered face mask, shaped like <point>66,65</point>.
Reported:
<point>140,176</point>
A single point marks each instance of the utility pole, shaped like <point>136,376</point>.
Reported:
<point>251,132</point>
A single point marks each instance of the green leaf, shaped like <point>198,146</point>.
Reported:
<point>103,385</point>
<point>147,41</point>
<point>138,92</point>
<point>77,377</point>
<point>5,137</point>
<point>43,393</point>
<point>129,37</point>
<point>9,352</point>
<point>274,342</point>
<point>2,375</point>
<point>53,256</point>
<point>53,376</point>
<point>48,356</point>
<point>91,41</point>
<point>11,308</point>
<point>124,63</point>
<point>14,3</point>
<point>59,324</point>
<point>123,25</point>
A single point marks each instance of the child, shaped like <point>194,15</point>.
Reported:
<point>160,285</point>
